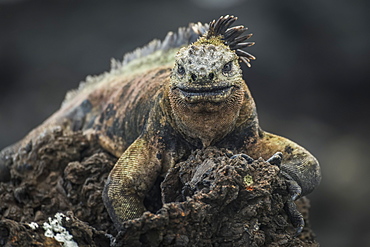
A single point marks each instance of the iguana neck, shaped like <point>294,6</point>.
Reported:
<point>248,112</point>
<point>208,123</point>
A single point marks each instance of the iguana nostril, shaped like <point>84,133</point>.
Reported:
<point>211,76</point>
<point>193,77</point>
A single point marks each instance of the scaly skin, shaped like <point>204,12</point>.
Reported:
<point>157,108</point>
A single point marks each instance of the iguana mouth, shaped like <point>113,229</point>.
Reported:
<point>205,90</point>
<point>210,94</point>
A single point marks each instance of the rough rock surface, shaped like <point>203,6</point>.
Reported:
<point>208,200</point>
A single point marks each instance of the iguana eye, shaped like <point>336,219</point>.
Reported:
<point>180,70</point>
<point>227,67</point>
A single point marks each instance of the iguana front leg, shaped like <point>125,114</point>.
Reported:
<point>297,163</point>
<point>131,178</point>
<point>299,167</point>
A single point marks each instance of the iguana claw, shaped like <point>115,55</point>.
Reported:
<point>294,191</point>
<point>244,156</point>
<point>295,216</point>
<point>276,159</point>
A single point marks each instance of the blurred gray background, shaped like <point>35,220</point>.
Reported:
<point>310,79</point>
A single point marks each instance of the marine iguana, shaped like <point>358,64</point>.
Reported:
<point>204,102</point>
<point>166,100</point>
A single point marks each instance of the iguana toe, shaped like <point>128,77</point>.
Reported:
<point>294,215</point>
<point>244,156</point>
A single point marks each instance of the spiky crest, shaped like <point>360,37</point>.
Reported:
<point>231,36</point>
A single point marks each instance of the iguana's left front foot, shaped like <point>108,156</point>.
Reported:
<point>294,190</point>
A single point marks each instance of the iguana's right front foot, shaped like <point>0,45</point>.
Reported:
<point>121,207</point>
<point>131,178</point>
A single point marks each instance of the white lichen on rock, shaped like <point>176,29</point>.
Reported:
<point>55,229</point>
<point>33,225</point>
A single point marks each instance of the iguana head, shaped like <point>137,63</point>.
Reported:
<point>207,89</point>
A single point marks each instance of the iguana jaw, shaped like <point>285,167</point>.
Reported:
<point>215,94</point>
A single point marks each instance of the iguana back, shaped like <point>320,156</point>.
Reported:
<point>114,106</point>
